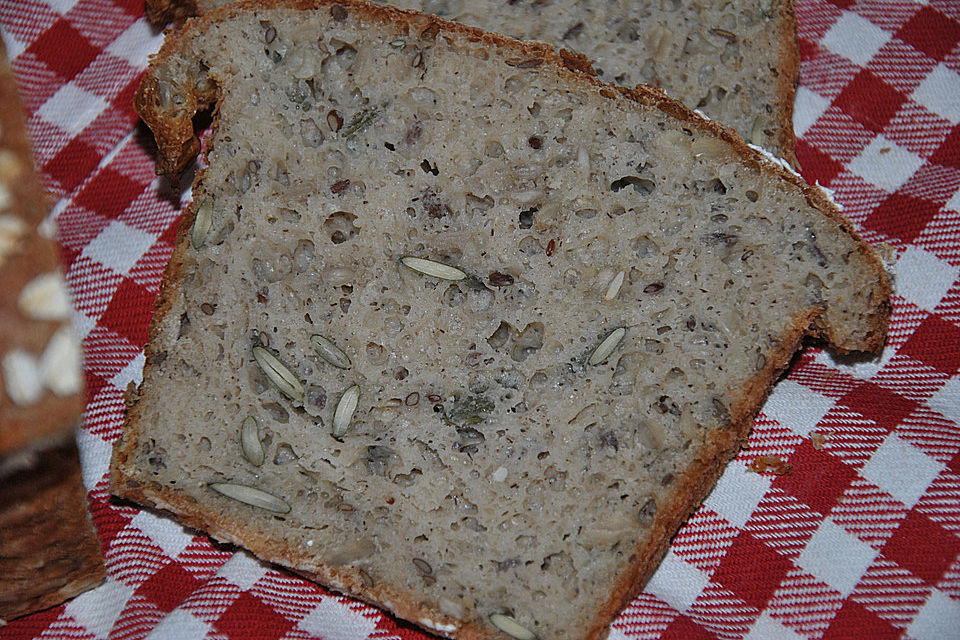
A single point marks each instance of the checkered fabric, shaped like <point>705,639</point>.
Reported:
<point>862,540</point>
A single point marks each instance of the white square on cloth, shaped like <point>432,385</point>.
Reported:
<point>97,610</point>
<point>71,109</point>
<point>938,619</point>
<point>131,372</point>
<point>797,407</point>
<point>769,628</point>
<point>923,278</point>
<point>836,557</point>
<point>884,164</point>
<point>954,202</point>
<point>61,6</point>
<point>168,535</point>
<point>902,470</point>
<point>119,246</point>
<point>807,109</point>
<point>332,620</point>
<point>940,93</point>
<point>677,582</point>
<point>94,457</point>
<point>946,400</point>
<point>242,570</point>
<point>737,494</point>
<point>180,624</point>
<point>855,38</point>
<point>137,43</point>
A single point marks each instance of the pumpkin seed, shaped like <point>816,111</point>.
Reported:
<point>250,442</point>
<point>614,287</point>
<point>278,374</point>
<point>609,344</point>
<point>344,412</point>
<point>330,352</point>
<point>511,627</point>
<point>756,131</point>
<point>433,268</point>
<point>202,223</point>
<point>251,496</point>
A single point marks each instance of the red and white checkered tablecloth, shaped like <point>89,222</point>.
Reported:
<point>862,540</point>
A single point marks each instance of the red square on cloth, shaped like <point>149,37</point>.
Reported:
<point>884,407</point>
<point>72,164</point>
<point>751,570</point>
<point>923,547</point>
<point>129,312</point>
<point>935,343</point>
<point>815,164</point>
<point>818,479</point>
<point>948,153</point>
<point>683,628</point>
<point>249,617</point>
<point>168,587</point>
<point>63,49</point>
<point>902,216</point>
<point>869,101</point>
<point>856,621</point>
<point>931,32</point>
<point>109,193</point>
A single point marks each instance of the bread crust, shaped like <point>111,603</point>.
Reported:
<point>178,145</point>
<point>787,74</point>
<point>49,551</point>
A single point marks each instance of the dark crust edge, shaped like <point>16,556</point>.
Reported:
<point>787,76</point>
<point>696,481</point>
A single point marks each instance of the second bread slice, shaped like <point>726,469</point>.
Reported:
<point>452,326</point>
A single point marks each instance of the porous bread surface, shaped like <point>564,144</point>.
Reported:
<point>735,61</point>
<point>492,466</point>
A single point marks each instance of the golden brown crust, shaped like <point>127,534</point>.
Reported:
<point>48,550</point>
<point>176,144</point>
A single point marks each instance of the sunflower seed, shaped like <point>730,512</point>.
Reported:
<point>330,352</point>
<point>344,412</point>
<point>609,344</point>
<point>251,496</point>
<point>433,268</point>
<point>202,223</point>
<point>278,374</point>
<point>510,627</point>
<point>614,287</point>
<point>250,442</point>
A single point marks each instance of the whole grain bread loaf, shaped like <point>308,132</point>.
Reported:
<point>454,327</point>
<point>736,61</point>
<point>48,549</point>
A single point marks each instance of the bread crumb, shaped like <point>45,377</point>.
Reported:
<point>817,440</point>
<point>762,464</point>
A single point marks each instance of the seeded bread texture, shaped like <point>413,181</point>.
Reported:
<point>48,549</point>
<point>561,304</point>
<point>735,61</point>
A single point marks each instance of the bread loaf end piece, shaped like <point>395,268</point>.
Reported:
<point>562,304</point>
<point>49,551</point>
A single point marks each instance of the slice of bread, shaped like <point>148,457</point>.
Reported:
<point>735,61</point>
<point>454,327</point>
<point>49,551</point>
